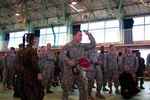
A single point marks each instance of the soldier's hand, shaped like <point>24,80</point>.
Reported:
<point>95,62</point>
<point>100,62</point>
<point>87,32</point>
<point>72,63</point>
<point>39,76</point>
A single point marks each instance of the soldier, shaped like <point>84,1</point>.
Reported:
<point>32,75</point>
<point>94,71</point>
<point>1,66</point>
<point>148,64</point>
<point>129,59</point>
<point>9,68</point>
<point>42,58</point>
<point>120,62</point>
<point>111,68</point>
<point>56,70</point>
<point>70,54</point>
<point>18,85</point>
<point>102,54</point>
<point>48,75</point>
<point>141,69</point>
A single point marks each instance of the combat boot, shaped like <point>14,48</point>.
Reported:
<point>141,87</point>
<point>110,91</point>
<point>105,89</point>
<point>117,91</point>
<point>90,96</point>
<point>49,91</point>
<point>99,95</point>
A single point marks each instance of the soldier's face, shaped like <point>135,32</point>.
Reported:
<point>11,51</point>
<point>78,37</point>
<point>49,46</point>
<point>102,48</point>
<point>126,69</point>
<point>43,48</point>
<point>128,50</point>
<point>112,48</point>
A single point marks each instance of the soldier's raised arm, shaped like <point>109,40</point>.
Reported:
<point>92,43</point>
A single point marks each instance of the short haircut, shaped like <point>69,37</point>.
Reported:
<point>75,31</point>
<point>12,48</point>
<point>42,46</point>
<point>111,46</point>
<point>101,47</point>
<point>138,53</point>
<point>120,54</point>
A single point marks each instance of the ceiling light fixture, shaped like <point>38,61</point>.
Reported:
<point>17,14</point>
<point>73,2</point>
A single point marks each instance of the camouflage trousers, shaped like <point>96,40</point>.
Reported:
<point>91,76</point>
<point>113,75</point>
<point>68,81</point>
<point>48,77</point>
<point>8,77</point>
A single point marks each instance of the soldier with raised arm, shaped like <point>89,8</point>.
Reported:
<point>70,54</point>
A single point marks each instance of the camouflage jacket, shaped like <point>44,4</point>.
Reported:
<point>110,61</point>
<point>93,56</point>
<point>30,59</point>
<point>18,61</point>
<point>73,51</point>
<point>131,61</point>
<point>9,61</point>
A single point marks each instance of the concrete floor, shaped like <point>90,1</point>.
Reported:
<point>144,94</point>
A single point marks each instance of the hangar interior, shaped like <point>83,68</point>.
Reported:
<point>123,23</point>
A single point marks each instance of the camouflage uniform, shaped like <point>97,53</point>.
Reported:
<point>131,61</point>
<point>42,57</point>
<point>148,64</point>
<point>120,64</point>
<point>94,71</point>
<point>18,85</point>
<point>61,66</point>
<point>73,51</point>
<point>1,68</point>
<point>56,70</point>
<point>9,69</point>
<point>111,67</point>
<point>48,75</point>
<point>33,87</point>
<point>101,55</point>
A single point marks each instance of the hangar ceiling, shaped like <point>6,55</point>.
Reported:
<point>43,13</point>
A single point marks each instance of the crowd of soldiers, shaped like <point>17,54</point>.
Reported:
<point>104,66</point>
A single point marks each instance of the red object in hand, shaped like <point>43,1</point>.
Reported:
<point>84,62</point>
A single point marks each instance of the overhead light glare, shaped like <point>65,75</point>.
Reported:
<point>73,2</point>
<point>78,10</point>
<point>17,14</point>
